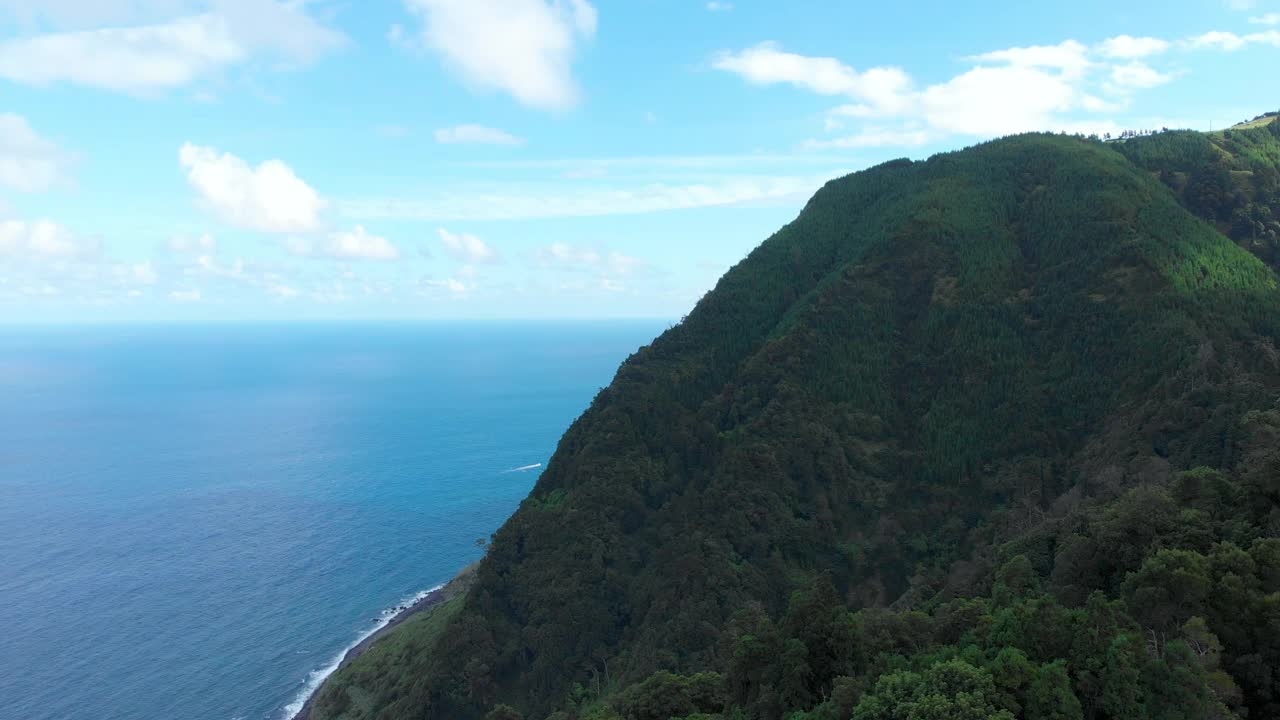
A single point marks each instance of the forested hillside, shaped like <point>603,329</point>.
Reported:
<point>991,435</point>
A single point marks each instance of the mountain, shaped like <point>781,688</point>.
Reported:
<point>991,435</point>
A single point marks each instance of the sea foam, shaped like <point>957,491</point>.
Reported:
<point>317,677</point>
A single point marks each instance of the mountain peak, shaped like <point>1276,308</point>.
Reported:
<point>954,414</point>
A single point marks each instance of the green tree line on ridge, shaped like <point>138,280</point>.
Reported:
<point>991,435</point>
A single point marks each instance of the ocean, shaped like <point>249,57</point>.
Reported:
<point>195,522</point>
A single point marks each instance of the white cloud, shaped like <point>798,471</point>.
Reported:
<point>872,138</point>
<point>43,240</point>
<point>468,248</point>
<point>270,197</point>
<point>1217,39</point>
<point>882,89</point>
<point>522,47</point>
<point>1129,47</point>
<point>568,255</point>
<point>719,6</point>
<point>1006,91</point>
<point>1137,75</point>
<point>89,13</point>
<point>997,101</point>
<point>1268,19</point>
<point>1230,41</point>
<point>623,264</point>
<point>29,162</point>
<point>1011,90</point>
<point>476,135</point>
<point>125,59</point>
<point>185,296</point>
<point>235,271</point>
<point>359,244</point>
<point>143,273</point>
<point>565,253</point>
<point>280,29</point>
<point>183,244</point>
<point>1069,57</point>
<point>453,285</point>
<point>521,203</point>
<point>146,58</point>
<point>356,244</point>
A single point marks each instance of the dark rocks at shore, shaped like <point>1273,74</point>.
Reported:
<point>457,586</point>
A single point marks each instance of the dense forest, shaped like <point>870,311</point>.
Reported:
<point>990,435</point>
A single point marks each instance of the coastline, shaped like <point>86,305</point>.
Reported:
<point>423,602</point>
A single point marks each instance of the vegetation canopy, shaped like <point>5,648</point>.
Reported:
<point>991,435</point>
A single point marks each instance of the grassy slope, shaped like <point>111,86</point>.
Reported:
<point>346,695</point>
<point>1256,122</point>
<point>890,389</point>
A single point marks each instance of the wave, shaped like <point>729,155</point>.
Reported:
<point>524,468</point>
<point>316,677</point>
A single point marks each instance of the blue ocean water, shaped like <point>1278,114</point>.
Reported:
<point>195,520</point>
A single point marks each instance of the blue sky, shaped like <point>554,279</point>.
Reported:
<point>196,160</point>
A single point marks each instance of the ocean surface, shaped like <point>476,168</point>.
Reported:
<point>196,521</point>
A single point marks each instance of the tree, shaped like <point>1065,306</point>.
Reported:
<point>1177,686</point>
<point>1122,684</point>
<point>952,690</point>
<point>665,695</point>
<point>1169,588</point>
<point>1050,696</point>
<point>503,712</point>
<point>1016,578</point>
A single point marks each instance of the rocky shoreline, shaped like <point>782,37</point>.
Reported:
<point>458,585</point>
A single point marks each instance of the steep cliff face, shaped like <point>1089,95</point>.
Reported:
<point>942,392</point>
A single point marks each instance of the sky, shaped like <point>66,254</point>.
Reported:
<point>280,160</point>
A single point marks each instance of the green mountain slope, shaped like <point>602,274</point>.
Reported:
<point>996,434</point>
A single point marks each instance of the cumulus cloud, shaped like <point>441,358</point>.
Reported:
<point>125,59</point>
<point>883,90</point>
<point>187,244</point>
<point>467,248</point>
<point>1070,57</point>
<point>453,285</point>
<point>1128,47</point>
<point>359,244</point>
<point>476,135</point>
<point>872,138</point>
<point>29,162</point>
<point>43,240</point>
<point>1229,41</point>
<point>269,197</point>
<point>1009,91</point>
<point>1018,89</point>
<point>356,244</point>
<point>1137,75</point>
<point>524,48</point>
<point>145,58</point>
<point>569,255</point>
<point>523,203</point>
<point>142,273</point>
<point>997,101</point>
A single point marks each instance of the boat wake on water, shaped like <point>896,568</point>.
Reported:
<point>523,468</point>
